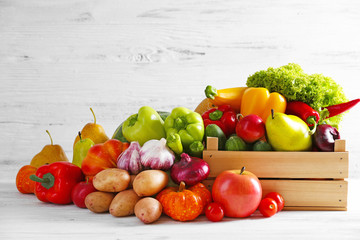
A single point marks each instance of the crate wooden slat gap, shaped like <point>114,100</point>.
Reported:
<point>307,180</point>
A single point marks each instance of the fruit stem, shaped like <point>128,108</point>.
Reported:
<point>181,187</point>
<point>242,170</point>
<point>50,137</point>
<point>79,133</point>
<point>93,115</point>
<point>239,116</point>
<point>272,113</point>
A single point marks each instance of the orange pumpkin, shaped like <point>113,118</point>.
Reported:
<point>23,182</point>
<point>203,192</point>
<point>183,204</point>
<point>102,156</point>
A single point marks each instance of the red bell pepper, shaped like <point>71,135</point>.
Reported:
<point>54,182</point>
<point>223,116</point>
<point>310,116</point>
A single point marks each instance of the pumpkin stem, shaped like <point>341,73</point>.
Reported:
<point>181,187</point>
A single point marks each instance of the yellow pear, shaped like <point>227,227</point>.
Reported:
<point>49,154</point>
<point>93,131</point>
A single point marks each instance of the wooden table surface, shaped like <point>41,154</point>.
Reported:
<point>60,57</point>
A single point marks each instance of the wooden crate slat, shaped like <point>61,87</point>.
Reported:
<point>274,164</point>
<point>306,194</point>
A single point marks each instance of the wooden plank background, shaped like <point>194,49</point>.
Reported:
<point>58,58</point>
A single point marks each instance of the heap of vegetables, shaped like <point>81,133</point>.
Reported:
<point>153,162</point>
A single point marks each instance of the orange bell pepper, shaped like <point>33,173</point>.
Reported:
<point>227,96</point>
<point>260,101</point>
<point>102,156</point>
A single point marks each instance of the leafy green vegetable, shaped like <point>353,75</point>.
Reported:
<point>290,80</point>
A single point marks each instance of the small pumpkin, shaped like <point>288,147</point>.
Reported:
<point>203,192</point>
<point>23,182</point>
<point>183,204</point>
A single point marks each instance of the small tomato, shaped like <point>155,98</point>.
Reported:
<point>214,212</point>
<point>278,199</point>
<point>268,207</point>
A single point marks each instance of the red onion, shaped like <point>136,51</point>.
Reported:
<point>190,170</point>
<point>325,137</point>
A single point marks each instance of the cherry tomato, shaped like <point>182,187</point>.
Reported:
<point>268,207</point>
<point>278,199</point>
<point>214,212</point>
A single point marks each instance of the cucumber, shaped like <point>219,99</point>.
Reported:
<point>262,146</point>
<point>213,130</point>
<point>235,143</point>
<point>118,132</point>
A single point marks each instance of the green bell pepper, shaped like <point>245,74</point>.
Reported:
<point>173,141</point>
<point>188,124</point>
<point>144,126</point>
<point>196,149</point>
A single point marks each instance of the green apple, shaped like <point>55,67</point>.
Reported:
<point>80,150</point>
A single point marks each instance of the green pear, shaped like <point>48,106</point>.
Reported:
<point>80,150</point>
<point>287,132</point>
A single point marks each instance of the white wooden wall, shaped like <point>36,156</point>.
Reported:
<point>60,57</point>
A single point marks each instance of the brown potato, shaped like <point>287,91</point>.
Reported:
<point>123,203</point>
<point>132,177</point>
<point>111,180</point>
<point>150,182</point>
<point>148,210</point>
<point>99,202</point>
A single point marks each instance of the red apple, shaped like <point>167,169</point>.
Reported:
<point>250,128</point>
<point>238,191</point>
<point>80,191</point>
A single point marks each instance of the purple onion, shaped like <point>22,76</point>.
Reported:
<point>190,170</point>
<point>325,137</point>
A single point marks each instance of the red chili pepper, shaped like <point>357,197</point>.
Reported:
<point>54,182</point>
<point>303,111</point>
<point>340,108</point>
<point>223,116</point>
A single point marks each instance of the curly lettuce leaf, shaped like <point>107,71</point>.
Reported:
<point>290,80</point>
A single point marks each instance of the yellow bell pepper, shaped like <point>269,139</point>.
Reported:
<point>260,101</point>
<point>231,96</point>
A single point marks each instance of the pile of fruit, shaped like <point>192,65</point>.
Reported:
<point>153,163</point>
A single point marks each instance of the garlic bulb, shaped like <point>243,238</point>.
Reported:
<point>130,159</point>
<point>155,154</point>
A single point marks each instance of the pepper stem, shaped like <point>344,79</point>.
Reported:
<point>133,120</point>
<point>181,187</point>
<point>180,123</point>
<point>93,115</point>
<point>216,115</point>
<point>210,92</point>
<point>312,121</point>
<point>50,137</point>
<point>272,113</point>
<point>47,181</point>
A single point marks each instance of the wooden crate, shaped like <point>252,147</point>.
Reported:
<point>306,180</point>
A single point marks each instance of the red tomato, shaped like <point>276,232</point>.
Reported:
<point>250,128</point>
<point>278,199</point>
<point>80,191</point>
<point>268,207</point>
<point>238,192</point>
<point>214,212</point>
